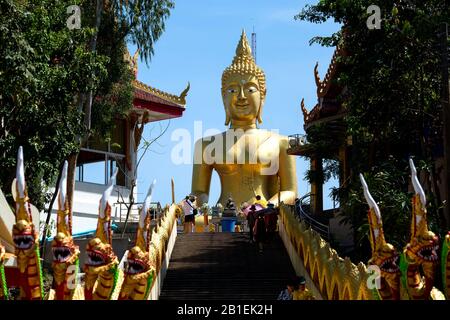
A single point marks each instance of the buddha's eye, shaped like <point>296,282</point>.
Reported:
<point>251,89</point>
<point>232,90</point>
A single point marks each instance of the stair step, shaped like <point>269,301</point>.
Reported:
<point>225,266</point>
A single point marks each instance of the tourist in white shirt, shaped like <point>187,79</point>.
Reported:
<point>189,210</point>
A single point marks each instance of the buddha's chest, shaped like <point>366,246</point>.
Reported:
<point>247,154</point>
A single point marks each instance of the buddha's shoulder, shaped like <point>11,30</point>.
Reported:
<point>261,133</point>
<point>208,139</point>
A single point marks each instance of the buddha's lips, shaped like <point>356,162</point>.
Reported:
<point>242,106</point>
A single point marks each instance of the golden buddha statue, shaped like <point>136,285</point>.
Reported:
<point>250,161</point>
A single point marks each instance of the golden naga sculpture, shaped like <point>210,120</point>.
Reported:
<point>334,277</point>
<point>65,252</point>
<point>26,240</point>
<point>420,254</point>
<point>139,270</point>
<point>101,268</point>
<point>249,160</point>
<point>339,279</point>
<point>384,255</point>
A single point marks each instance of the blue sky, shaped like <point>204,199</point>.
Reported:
<point>198,44</point>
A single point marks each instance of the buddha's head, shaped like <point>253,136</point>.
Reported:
<point>243,88</point>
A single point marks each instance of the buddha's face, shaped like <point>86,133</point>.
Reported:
<point>242,98</point>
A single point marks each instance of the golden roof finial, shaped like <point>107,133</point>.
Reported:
<point>317,77</point>
<point>304,111</point>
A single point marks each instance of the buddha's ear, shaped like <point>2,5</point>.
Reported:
<point>259,115</point>
<point>227,113</point>
<point>227,116</point>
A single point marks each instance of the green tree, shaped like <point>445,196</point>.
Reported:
<point>43,65</point>
<point>55,82</point>
<point>392,76</point>
<point>140,22</point>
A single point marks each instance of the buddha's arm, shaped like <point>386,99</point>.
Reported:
<point>288,176</point>
<point>201,175</point>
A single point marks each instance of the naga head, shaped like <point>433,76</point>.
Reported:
<point>424,244</point>
<point>384,255</point>
<point>65,252</point>
<point>24,235</point>
<point>100,254</point>
<point>138,259</point>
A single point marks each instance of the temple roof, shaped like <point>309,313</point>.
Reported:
<point>156,104</point>
<point>328,90</point>
<point>159,105</point>
<point>147,93</point>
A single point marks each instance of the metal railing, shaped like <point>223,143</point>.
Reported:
<point>121,209</point>
<point>301,213</point>
<point>296,140</point>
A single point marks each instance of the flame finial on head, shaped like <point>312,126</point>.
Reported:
<point>372,204</point>
<point>23,207</point>
<point>63,187</point>
<point>374,217</point>
<point>103,231</point>
<point>107,194</point>
<point>20,173</point>
<point>244,63</point>
<point>416,184</point>
<point>64,215</point>
<point>143,235</point>
<point>146,205</point>
<point>243,50</point>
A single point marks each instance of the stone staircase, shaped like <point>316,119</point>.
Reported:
<point>225,266</point>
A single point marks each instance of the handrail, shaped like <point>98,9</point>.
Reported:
<point>322,229</point>
<point>296,140</point>
<point>121,209</point>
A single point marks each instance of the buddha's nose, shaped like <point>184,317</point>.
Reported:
<point>241,94</point>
